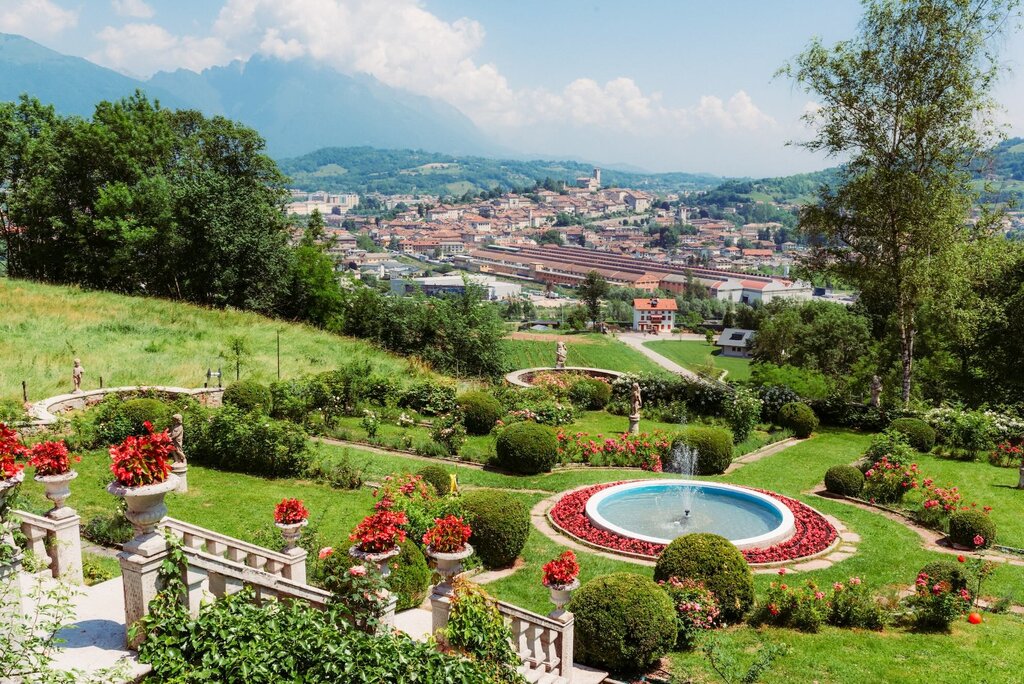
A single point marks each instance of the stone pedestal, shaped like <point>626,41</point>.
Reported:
<point>66,553</point>
<point>180,469</point>
<point>388,618</point>
<point>447,565</point>
<point>57,488</point>
<point>634,424</point>
<point>296,569</point>
<point>1020,484</point>
<point>140,567</point>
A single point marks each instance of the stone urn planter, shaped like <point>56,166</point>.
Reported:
<point>291,533</point>
<point>57,488</point>
<point>561,593</point>
<point>448,565</point>
<point>379,559</point>
<point>145,504</point>
<point>8,486</point>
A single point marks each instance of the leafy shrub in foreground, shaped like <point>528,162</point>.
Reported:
<point>920,435</point>
<point>249,443</point>
<point>716,562</point>
<point>500,524</point>
<point>437,476</point>
<point>526,448</point>
<point>972,528</point>
<point>892,445</point>
<point>947,571</point>
<point>799,418</point>
<point>480,411</point>
<point>713,446</point>
<point>590,394</point>
<point>844,480</point>
<point>249,396</point>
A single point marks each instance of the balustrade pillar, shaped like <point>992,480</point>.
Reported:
<point>140,561</point>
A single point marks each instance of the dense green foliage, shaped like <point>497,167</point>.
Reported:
<point>947,571</point>
<point>799,418</point>
<point>966,526</point>
<point>892,445</point>
<point>500,524</point>
<point>480,411</point>
<point>477,630</point>
<point>526,448</point>
<point>590,394</point>
<point>249,396</point>
<point>844,480</point>
<point>713,446</point>
<point>438,477</point>
<point>919,434</point>
<point>716,562</point>
<point>624,622</point>
<point>248,443</point>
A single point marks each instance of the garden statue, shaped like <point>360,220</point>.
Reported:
<point>634,410</point>
<point>560,353</point>
<point>1020,484</point>
<point>76,375</point>
<point>876,390</point>
<point>180,465</point>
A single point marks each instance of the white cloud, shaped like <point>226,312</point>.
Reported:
<point>35,18</point>
<point>147,48</point>
<point>137,9</point>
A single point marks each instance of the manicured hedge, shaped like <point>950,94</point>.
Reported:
<point>480,411</point>
<point>500,524</point>
<point>964,526</point>
<point>713,446</point>
<point>590,394</point>
<point>844,480</point>
<point>249,396</point>
<point>526,448</point>
<point>439,477</point>
<point>919,434</point>
<point>114,419</point>
<point>716,562</point>
<point>799,418</point>
<point>624,622</point>
<point>247,443</point>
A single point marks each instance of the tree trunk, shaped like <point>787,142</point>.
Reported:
<point>907,353</point>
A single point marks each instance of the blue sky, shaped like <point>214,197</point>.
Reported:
<point>658,84</point>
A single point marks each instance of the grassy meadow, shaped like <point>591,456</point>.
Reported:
<point>134,340</point>
<point>694,354</point>
<point>591,350</point>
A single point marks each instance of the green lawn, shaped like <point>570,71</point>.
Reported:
<point>591,350</point>
<point>694,354</point>
<point>134,340</point>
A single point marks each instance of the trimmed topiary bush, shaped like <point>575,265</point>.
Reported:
<point>500,524</point>
<point>480,411</point>
<point>947,571</point>
<point>713,446</point>
<point>624,622</point>
<point>919,434</point>
<point>844,480</point>
<point>526,448</point>
<point>249,396</point>
<point>590,394</point>
<point>114,419</point>
<point>799,418</point>
<point>247,443</point>
<point>440,478</point>
<point>966,526</point>
<point>411,578</point>
<point>716,562</point>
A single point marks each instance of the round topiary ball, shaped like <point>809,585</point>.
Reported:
<point>966,526</point>
<point>526,448</point>
<point>713,446</point>
<point>500,524</point>
<point>716,562</point>
<point>919,434</point>
<point>624,622</point>
<point>249,396</point>
<point>947,571</point>
<point>480,411</point>
<point>590,394</point>
<point>844,480</point>
<point>799,418</point>
<point>437,476</point>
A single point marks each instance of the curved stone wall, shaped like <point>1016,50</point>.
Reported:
<point>522,378</point>
<point>45,412</point>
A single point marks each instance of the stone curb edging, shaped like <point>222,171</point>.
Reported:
<point>515,378</point>
<point>43,412</point>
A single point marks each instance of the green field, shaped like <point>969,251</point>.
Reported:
<point>591,350</point>
<point>132,340</point>
<point>694,354</point>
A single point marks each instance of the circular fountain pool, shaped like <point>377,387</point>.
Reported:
<point>660,511</point>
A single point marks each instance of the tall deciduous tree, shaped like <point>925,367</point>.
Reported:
<point>908,102</point>
<point>591,290</point>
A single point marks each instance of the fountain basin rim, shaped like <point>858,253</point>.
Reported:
<point>782,532</point>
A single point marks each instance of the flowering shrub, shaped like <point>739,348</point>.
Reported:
<point>742,413</point>
<point>891,444</point>
<point>963,432</point>
<point>812,534</point>
<point>405,420</point>
<point>644,450</point>
<point>696,609</point>
<point>370,422</point>
<point>11,449</point>
<point>449,431</point>
<point>380,532</point>
<point>448,535</point>
<point>290,512</point>
<point>141,461</point>
<point>51,458</point>
<point>413,496</point>
<point>935,604</point>
<point>803,608</point>
<point>545,412</point>
<point>562,570</point>
<point>1005,428</point>
<point>852,605</point>
<point>887,482</point>
<point>1007,455</point>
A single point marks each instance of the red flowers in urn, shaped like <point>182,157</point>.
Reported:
<point>290,512</point>
<point>51,458</point>
<point>380,532</point>
<point>561,571</point>
<point>11,449</point>
<point>140,461</point>
<point>448,535</point>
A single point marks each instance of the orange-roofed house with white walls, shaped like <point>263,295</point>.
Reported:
<point>654,315</point>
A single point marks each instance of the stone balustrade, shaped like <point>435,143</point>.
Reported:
<point>56,542</point>
<point>545,643</point>
<point>290,565</point>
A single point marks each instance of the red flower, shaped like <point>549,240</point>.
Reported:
<point>562,570</point>
<point>11,449</point>
<point>380,532</point>
<point>140,461</point>
<point>448,535</point>
<point>290,512</point>
<point>51,458</point>
<point>325,552</point>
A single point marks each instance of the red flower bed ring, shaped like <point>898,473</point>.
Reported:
<point>813,533</point>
